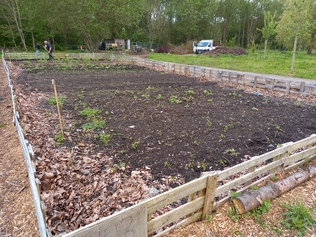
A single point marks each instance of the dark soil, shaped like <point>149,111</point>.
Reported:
<point>164,124</point>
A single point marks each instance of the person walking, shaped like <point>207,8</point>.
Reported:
<point>37,47</point>
<point>49,49</point>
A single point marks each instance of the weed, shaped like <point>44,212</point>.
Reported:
<point>254,187</point>
<point>297,103</point>
<point>227,127</point>
<point>232,152</point>
<point>208,122</point>
<point>52,101</point>
<point>166,164</point>
<point>278,128</point>
<point>207,92</point>
<point>189,92</point>
<point>89,112</point>
<point>135,144</point>
<point>2,125</point>
<point>222,161</point>
<point>234,195</point>
<point>259,211</point>
<point>146,96</point>
<point>174,100</point>
<point>209,100</point>
<point>159,97</point>
<point>95,124</point>
<point>195,142</point>
<point>105,138</point>
<point>149,88</point>
<point>298,217</point>
<point>59,138</point>
<point>234,214</point>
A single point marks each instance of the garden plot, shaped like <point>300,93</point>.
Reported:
<point>130,133</point>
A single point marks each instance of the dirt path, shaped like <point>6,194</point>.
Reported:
<point>17,212</point>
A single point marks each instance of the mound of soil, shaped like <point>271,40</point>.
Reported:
<point>225,50</point>
<point>130,133</point>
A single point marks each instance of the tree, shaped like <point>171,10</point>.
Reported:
<point>11,12</point>
<point>296,25</point>
<point>268,29</point>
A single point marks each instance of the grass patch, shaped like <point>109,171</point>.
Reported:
<point>276,62</point>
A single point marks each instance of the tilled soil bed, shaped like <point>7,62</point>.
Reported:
<point>130,133</point>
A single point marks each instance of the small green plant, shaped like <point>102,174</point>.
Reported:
<point>135,144</point>
<point>278,127</point>
<point>166,164</point>
<point>105,138</point>
<point>159,97</point>
<point>232,152</point>
<point>298,217</point>
<point>174,100</point>
<point>227,127</point>
<point>254,187</point>
<point>59,138</point>
<point>2,125</point>
<point>89,112</point>
<point>146,96</point>
<point>259,211</point>
<point>189,92</point>
<point>149,88</point>
<point>208,122</point>
<point>95,124</point>
<point>52,101</point>
<point>207,92</point>
<point>233,213</point>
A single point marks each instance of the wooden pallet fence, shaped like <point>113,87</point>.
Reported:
<point>202,195</point>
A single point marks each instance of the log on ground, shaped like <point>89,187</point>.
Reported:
<point>254,198</point>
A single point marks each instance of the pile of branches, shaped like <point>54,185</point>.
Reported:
<point>225,50</point>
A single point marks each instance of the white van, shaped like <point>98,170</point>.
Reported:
<point>202,46</point>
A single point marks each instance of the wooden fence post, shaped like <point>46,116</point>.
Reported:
<point>302,87</point>
<point>209,195</point>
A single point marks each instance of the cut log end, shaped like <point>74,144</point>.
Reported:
<point>239,206</point>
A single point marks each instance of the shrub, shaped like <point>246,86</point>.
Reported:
<point>163,49</point>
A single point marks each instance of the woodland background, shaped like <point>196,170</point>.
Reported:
<point>242,23</point>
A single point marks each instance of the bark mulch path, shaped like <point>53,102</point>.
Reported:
<point>17,211</point>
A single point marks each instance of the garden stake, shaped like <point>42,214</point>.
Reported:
<point>56,97</point>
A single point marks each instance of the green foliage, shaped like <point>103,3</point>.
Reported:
<point>95,124</point>
<point>298,217</point>
<point>105,138</point>
<point>174,99</point>
<point>89,112</point>
<point>135,144</point>
<point>52,101</point>
<point>259,211</point>
<point>59,138</point>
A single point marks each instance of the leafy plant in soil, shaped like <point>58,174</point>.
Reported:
<point>298,217</point>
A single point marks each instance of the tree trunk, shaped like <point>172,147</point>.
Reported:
<point>265,48</point>
<point>254,198</point>
<point>294,53</point>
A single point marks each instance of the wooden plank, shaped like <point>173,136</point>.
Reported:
<point>209,195</point>
<point>175,214</point>
<point>130,222</point>
<point>173,195</point>
<point>300,156</point>
<point>243,179</point>
<point>253,162</point>
<point>304,142</point>
<point>194,218</point>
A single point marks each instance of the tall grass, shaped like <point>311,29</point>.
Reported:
<point>276,62</point>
